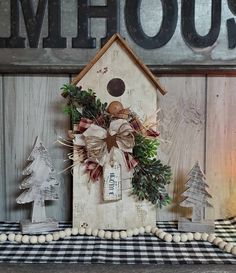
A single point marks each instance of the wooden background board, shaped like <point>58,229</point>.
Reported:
<point>2,159</point>
<point>182,129</point>
<point>197,125</point>
<point>33,108</point>
<point>221,143</point>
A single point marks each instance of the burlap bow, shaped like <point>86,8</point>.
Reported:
<point>101,144</point>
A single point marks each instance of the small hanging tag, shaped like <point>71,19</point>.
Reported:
<point>112,182</point>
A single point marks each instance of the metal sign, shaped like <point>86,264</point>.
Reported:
<point>168,35</point>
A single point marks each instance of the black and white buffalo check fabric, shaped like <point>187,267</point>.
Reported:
<point>142,249</point>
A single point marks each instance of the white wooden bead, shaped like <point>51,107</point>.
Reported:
<point>129,232</point>
<point>25,239</point>
<point>101,233</point>
<point>56,236</point>
<point>11,237</point>
<point>115,235</point>
<point>153,230</point>
<point>88,231</point>
<point>123,234</point>
<point>205,236</point>
<point>183,237</point>
<point>190,236</point>
<point>211,238</point>
<point>81,230</point>
<point>222,245</point>
<point>108,235</point>
<point>158,232</point>
<point>75,231</point>
<point>136,231</point>
<point>197,236</point>
<point>62,234</point>
<point>49,238</point>
<point>3,237</point>
<point>162,235</point>
<point>141,230</point>
<point>95,232</point>
<point>18,238</point>
<point>41,239</point>
<point>33,239</point>
<point>229,247</point>
<point>148,229</point>
<point>217,240</point>
<point>168,238</point>
<point>176,238</point>
<point>68,232</point>
<point>233,250</point>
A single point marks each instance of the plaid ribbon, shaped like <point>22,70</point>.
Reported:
<point>138,126</point>
<point>82,126</point>
<point>131,162</point>
<point>94,170</point>
<point>85,123</point>
<point>140,129</point>
<point>152,133</point>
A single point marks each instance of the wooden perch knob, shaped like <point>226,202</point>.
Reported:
<point>115,107</point>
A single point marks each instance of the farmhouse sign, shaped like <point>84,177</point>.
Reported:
<point>60,35</point>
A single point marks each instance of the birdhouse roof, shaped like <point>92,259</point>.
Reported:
<point>117,38</point>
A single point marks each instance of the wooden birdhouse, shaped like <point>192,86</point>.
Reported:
<point>115,74</point>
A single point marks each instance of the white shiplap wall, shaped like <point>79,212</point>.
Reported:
<point>197,123</point>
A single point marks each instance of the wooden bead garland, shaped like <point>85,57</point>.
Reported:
<point>115,235</point>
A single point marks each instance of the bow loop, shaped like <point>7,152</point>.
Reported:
<point>125,138</point>
<point>96,147</point>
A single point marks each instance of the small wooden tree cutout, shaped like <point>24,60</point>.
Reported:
<point>39,185</point>
<point>196,197</point>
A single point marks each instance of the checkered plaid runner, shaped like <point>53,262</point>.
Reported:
<point>142,249</point>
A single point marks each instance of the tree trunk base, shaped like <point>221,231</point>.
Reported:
<point>27,227</point>
<point>185,224</point>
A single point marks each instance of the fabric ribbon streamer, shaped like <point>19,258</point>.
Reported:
<point>94,170</point>
<point>140,128</point>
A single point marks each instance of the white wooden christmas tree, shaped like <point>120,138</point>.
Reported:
<point>196,197</point>
<point>39,185</point>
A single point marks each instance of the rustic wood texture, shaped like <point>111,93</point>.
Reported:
<point>182,129</point>
<point>218,56</point>
<point>221,144</point>
<point>33,107</point>
<point>141,96</point>
<point>27,227</point>
<point>184,224</point>
<point>197,197</point>
<point>39,183</point>
<point>2,159</point>
<point>116,38</point>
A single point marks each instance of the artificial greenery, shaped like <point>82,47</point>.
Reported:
<point>150,175</point>
<point>82,103</point>
<point>145,148</point>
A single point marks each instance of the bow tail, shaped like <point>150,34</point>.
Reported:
<point>94,170</point>
<point>131,162</point>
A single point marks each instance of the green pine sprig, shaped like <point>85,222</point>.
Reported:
<point>150,176</point>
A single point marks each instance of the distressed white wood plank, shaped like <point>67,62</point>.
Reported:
<point>221,144</point>
<point>141,96</point>
<point>2,157</point>
<point>182,128</point>
<point>34,108</point>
